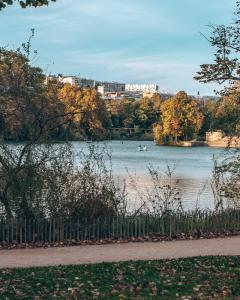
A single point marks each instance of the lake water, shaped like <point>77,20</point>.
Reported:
<point>193,167</point>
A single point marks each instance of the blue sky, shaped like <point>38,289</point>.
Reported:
<point>132,41</point>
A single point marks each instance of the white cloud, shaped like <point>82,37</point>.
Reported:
<point>171,73</point>
<point>125,40</point>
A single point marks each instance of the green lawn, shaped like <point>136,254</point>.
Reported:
<point>194,278</point>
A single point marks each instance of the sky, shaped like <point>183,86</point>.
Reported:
<point>129,41</point>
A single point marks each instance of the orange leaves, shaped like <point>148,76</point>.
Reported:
<point>87,109</point>
<point>181,118</point>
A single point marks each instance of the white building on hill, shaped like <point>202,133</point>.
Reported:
<point>77,81</point>
<point>142,88</point>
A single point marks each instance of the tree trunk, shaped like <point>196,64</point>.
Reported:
<point>176,139</point>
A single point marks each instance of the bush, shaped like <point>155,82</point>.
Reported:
<point>45,180</point>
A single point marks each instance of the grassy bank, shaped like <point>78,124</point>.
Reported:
<point>194,278</point>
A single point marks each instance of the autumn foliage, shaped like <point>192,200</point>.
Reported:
<point>181,119</point>
<point>88,111</point>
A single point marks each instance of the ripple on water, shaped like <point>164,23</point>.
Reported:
<point>193,166</point>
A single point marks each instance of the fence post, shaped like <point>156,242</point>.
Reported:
<point>170,225</point>
<point>128,228</point>
<point>113,228</point>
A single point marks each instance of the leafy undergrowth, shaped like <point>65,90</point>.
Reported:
<point>191,278</point>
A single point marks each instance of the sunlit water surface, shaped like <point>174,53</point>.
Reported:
<point>193,167</point>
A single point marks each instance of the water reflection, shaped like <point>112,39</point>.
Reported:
<point>192,174</point>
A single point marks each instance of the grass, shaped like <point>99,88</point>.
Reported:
<point>191,278</point>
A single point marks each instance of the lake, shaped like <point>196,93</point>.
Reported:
<point>193,167</point>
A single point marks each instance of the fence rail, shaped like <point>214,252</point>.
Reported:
<point>58,230</point>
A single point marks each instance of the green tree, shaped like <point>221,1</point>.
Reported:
<point>148,111</point>
<point>228,111</point>
<point>112,108</point>
<point>208,110</point>
<point>226,68</point>
<point>126,109</point>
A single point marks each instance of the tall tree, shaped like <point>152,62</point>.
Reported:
<point>28,106</point>
<point>226,41</point>
<point>226,68</point>
<point>181,118</point>
<point>37,177</point>
<point>31,113</point>
<point>95,119</point>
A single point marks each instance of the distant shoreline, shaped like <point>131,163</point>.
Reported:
<point>182,144</point>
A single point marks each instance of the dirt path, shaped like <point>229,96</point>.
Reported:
<point>118,252</point>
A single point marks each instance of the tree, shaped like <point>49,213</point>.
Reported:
<point>181,119</point>
<point>226,68</point>
<point>28,107</point>
<point>25,3</point>
<point>126,109</point>
<point>209,120</point>
<point>227,112</point>
<point>158,133</point>
<point>223,114</point>
<point>38,178</point>
<point>148,111</point>
<point>30,112</point>
<point>112,108</point>
<point>95,120</point>
<point>225,39</point>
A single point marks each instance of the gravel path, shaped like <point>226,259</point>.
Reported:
<point>118,252</point>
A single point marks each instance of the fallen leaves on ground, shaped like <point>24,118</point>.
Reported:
<point>191,278</point>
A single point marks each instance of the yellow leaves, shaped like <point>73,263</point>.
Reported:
<point>181,116</point>
<point>85,106</point>
<point>158,133</point>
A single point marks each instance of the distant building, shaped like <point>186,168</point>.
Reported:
<point>77,81</point>
<point>50,78</point>
<point>142,88</point>
<point>109,90</point>
<point>73,80</point>
<point>105,88</point>
<point>84,82</point>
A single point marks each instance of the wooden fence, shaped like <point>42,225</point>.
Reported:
<point>58,230</point>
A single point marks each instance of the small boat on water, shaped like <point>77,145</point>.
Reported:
<point>144,148</point>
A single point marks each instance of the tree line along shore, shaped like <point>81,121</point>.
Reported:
<point>83,115</point>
